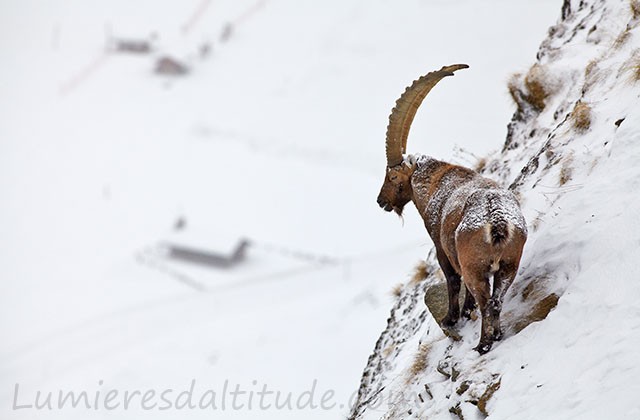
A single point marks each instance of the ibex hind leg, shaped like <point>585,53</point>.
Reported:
<point>502,280</point>
<point>477,281</point>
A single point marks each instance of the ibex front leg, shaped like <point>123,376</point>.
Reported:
<point>453,291</point>
<point>469,304</point>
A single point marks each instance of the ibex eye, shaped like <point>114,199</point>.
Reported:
<point>394,177</point>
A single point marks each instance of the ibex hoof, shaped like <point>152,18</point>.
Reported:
<point>449,320</point>
<point>483,348</point>
<point>470,314</point>
<point>498,334</point>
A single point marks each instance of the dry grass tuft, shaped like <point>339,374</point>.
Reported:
<point>589,70</point>
<point>622,39</point>
<point>635,67</point>
<point>419,364</point>
<point>635,8</point>
<point>531,91</point>
<point>514,89</point>
<point>592,75</point>
<point>631,67</point>
<point>566,173</point>
<point>420,273</point>
<point>581,117</point>
<point>537,92</point>
<point>387,351</point>
<point>397,290</point>
<point>481,163</point>
<point>537,222</point>
<point>553,157</point>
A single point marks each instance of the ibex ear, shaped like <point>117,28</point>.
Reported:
<point>410,160</point>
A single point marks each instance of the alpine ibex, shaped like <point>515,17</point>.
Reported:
<point>476,226</point>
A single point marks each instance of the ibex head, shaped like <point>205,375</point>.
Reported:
<point>396,191</point>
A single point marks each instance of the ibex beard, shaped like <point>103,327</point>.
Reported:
<point>477,227</point>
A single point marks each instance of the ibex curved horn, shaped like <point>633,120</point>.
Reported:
<point>406,107</point>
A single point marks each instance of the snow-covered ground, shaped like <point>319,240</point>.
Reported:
<point>574,164</point>
<point>275,135</point>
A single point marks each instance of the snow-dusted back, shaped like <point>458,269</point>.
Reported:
<point>487,206</point>
<point>480,200</point>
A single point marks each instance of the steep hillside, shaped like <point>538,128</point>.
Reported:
<point>274,133</point>
<point>571,155</point>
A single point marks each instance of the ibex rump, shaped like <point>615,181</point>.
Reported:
<point>476,226</point>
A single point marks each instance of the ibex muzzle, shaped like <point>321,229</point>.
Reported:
<point>476,226</point>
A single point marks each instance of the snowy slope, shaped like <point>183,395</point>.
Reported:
<point>276,135</point>
<point>573,162</point>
